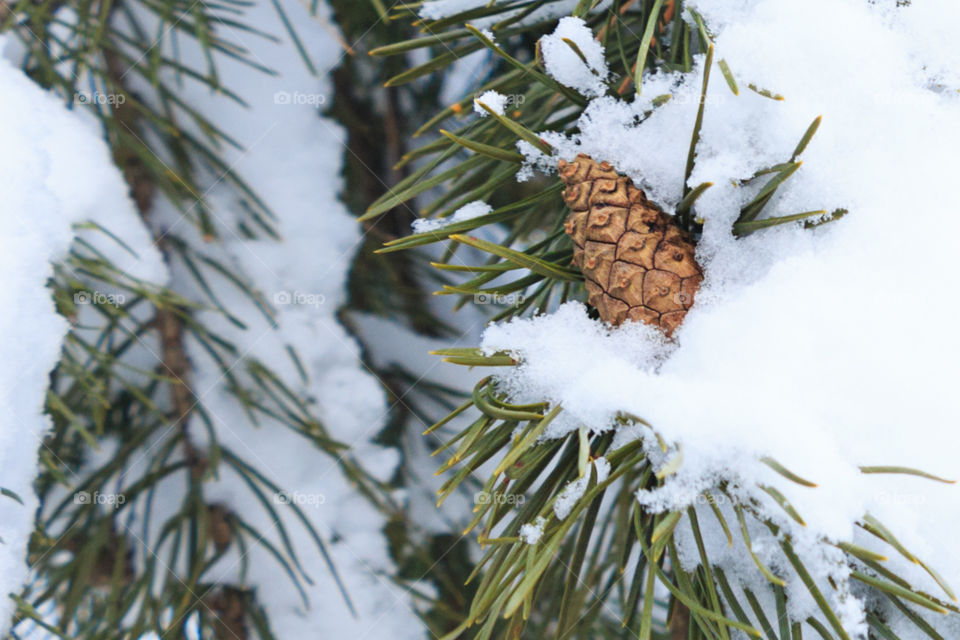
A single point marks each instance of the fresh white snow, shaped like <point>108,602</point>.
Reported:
<point>468,211</point>
<point>532,532</point>
<point>568,497</point>
<point>438,9</point>
<point>586,74</point>
<point>497,102</point>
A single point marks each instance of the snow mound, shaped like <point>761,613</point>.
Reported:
<point>564,63</point>
<point>468,211</point>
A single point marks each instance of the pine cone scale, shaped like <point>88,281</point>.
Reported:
<point>638,264</point>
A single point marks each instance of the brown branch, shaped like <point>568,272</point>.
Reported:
<point>229,605</point>
<point>680,623</point>
<point>169,324</point>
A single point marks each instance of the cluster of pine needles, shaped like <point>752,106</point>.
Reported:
<point>609,569</point>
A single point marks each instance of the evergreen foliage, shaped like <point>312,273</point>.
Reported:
<point>610,569</point>
<point>85,583</point>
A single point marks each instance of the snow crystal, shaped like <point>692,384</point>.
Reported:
<point>603,468</point>
<point>55,172</point>
<point>437,9</point>
<point>497,102</point>
<point>564,63</point>
<point>569,497</point>
<point>816,348</point>
<point>468,211</point>
<point>572,493</point>
<point>531,533</point>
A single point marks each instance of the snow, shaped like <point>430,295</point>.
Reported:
<point>565,65</point>
<point>569,496</point>
<point>437,9</point>
<point>468,211</point>
<point>393,345</point>
<point>496,101</point>
<point>532,532</point>
<point>817,348</point>
<point>55,172</point>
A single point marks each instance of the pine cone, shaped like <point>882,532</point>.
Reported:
<point>638,264</point>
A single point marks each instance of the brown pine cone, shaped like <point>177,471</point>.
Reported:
<point>638,264</point>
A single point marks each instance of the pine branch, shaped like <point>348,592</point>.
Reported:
<point>86,582</point>
<point>525,587</point>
